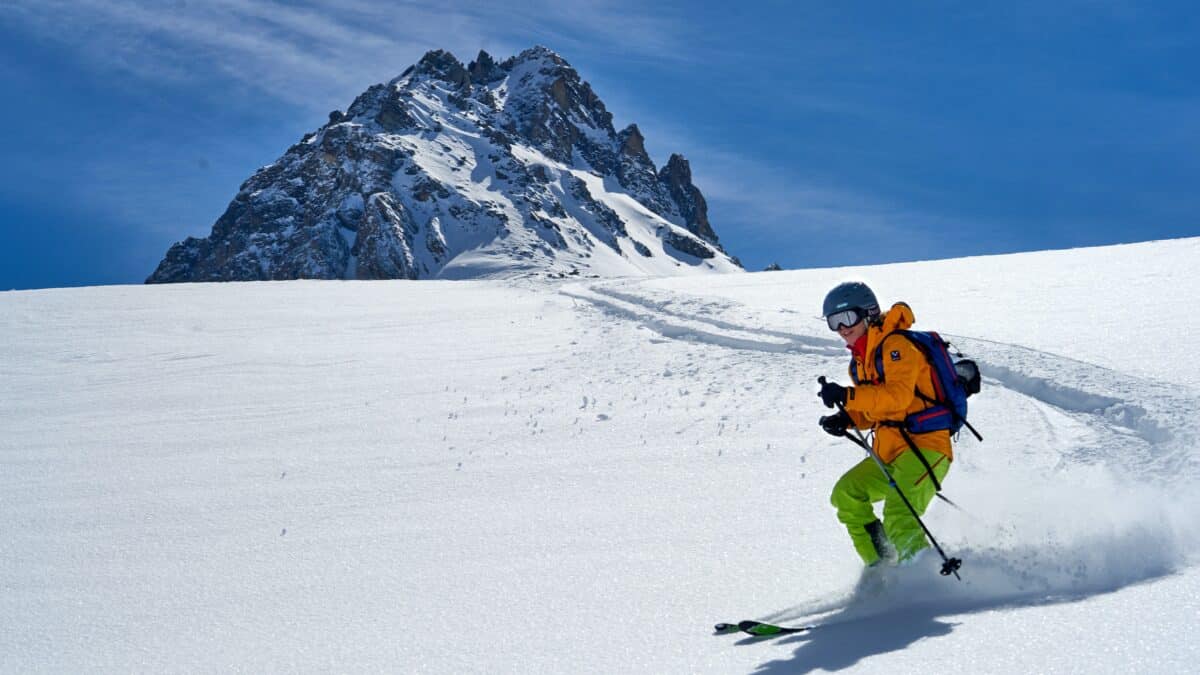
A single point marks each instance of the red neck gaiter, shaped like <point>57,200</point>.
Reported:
<point>859,348</point>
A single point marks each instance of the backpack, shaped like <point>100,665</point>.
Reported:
<point>953,383</point>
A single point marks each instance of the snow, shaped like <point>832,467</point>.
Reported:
<point>521,476</point>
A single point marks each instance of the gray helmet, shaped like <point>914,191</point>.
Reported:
<point>851,295</point>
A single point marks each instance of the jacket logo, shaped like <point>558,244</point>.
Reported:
<point>896,355</point>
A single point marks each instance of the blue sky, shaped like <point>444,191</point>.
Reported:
<point>821,133</point>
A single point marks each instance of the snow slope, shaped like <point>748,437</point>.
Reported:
<point>524,476</point>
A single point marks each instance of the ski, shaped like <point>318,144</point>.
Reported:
<point>759,628</point>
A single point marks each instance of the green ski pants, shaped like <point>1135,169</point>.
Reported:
<point>857,489</point>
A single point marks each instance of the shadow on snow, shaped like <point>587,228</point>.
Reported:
<point>892,608</point>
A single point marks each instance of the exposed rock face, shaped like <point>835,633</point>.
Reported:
<point>453,171</point>
<point>636,173</point>
<point>676,176</point>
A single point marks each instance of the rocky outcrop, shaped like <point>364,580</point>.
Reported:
<point>676,177</point>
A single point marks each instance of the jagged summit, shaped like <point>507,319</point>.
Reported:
<point>556,75</point>
<point>443,65</point>
<point>484,69</point>
<point>456,171</point>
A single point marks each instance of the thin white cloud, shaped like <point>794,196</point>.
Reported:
<point>780,201</point>
<point>320,55</point>
<point>289,54</point>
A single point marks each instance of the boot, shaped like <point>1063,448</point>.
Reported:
<point>887,552</point>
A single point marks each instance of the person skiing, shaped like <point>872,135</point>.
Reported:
<point>880,401</point>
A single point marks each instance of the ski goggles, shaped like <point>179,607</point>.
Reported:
<point>845,318</point>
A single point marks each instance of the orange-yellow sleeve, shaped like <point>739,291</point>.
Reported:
<point>860,421</point>
<point>901,367</point>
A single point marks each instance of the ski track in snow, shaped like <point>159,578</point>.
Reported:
<point>1124,404</point>
<point>1118,431</point>
<point>677,325</point>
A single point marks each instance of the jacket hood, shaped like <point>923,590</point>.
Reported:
<point>899,317</point>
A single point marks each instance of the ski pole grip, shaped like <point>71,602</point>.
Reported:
<point>821,381</point>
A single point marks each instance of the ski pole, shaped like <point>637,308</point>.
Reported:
<point>949,565</point>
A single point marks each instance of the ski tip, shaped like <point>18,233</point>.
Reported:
<point>760,629</point>
<point>756,628</point>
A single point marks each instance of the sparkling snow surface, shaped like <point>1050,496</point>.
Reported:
<point>529,477</point>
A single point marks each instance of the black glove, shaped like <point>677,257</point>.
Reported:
<point>836,425</point>
<point>832,393</point>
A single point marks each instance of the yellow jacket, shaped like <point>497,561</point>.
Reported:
<point>905,371</point>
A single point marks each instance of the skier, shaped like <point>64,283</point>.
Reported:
<point>880,401</point>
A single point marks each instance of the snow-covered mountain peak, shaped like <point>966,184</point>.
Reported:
<point>543,54</point>
<point>456,171</point>
<point>546,64</point>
